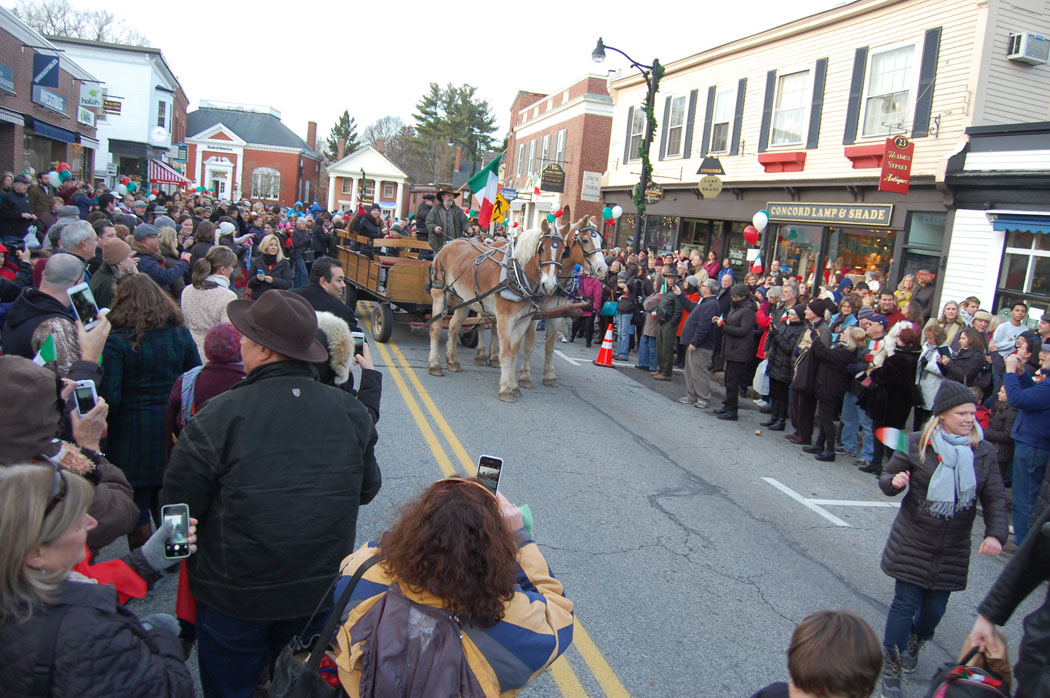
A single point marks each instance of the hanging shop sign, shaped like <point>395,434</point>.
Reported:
<point>654,193</point>
<point>710,186</point>
<point>591,190</point>
<point>90,96</point>
<point>45,70</point>
<point>111,106</point>
<point>508,193</point>
<point>86,117</point>
<point>841,214</point>
<point>553,178</point>
<point>896,165</point>
<point>711,166</point>
<point>49,98</point>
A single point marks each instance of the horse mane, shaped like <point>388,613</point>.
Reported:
<point>526,245</point>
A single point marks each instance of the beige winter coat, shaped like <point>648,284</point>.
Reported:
<point>205,308</point>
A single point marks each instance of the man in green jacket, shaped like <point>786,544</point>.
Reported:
<point>445,221</point>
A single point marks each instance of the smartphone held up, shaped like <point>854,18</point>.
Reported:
<point>177,544</point>
<point>85,396</point>
<point>84,305</point>
<point>490,470</point>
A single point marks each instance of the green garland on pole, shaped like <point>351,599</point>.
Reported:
<point>649,110</point>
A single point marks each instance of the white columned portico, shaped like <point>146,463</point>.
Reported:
<point>331,192</point>
<point>397,199</point>
<point>353,193</point>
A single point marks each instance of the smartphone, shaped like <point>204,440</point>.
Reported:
<point>359,342</point>
<point>260,273</point>
<point>945,352</point>
<point>84,305</point>
<point>86,396</point>
<point>177,545</point>
<point>490,469</point>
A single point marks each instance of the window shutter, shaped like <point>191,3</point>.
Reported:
<point>856,91</point>
<point>738,117</point>
<point>709,111</point>
<point>687,148</point>
<point>663,131</point>
<point>927,76</point>
<point>627,143</point>
<point>820,74</point>
<point>767,111</point>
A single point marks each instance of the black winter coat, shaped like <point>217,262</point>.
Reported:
<point>969,367</point>
<point>1026,570</point>
<point>280,271</point>
<point>998,433</point>
<point>804,379</point>
<point>780,350</point>
<point>894,390</point>
<point>698,329</point>
<point>739,331</point>
<point>323,242</point>
<point>259,494</point>
<point>832,378</point>
<point>101,650</point>
<point>929,551</point>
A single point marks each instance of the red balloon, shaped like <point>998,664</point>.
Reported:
<point>751,235</point>
<point>557,214</point>
<point>515,224</point>
<point>63,166</point>
<point>153,191</point>
<point>125,180</point>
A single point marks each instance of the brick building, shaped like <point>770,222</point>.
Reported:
<point>245,151</point>
<point>41,117</point>
<point>570,128</point>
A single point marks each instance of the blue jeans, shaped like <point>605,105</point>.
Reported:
<point>914,610</point>
<point>647,352</point>
<point>867,436</point>
<point>302,276</point>
<point>624,329</point>
<point>850,423</point>
<point>231,652</point>
<point>1028,469</point>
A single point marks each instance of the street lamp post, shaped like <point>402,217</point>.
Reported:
<point>651,74</point>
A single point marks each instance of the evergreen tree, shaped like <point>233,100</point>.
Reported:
<point>453,115</point>
<point>346,128</point>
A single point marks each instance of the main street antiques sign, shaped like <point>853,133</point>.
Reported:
<point>654,193</point>
<point>710,186</point>
<point>896,165</point>
<point>553,178</point>
<point>835,214</point>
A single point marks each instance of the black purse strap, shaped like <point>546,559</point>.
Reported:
<point>45,654</point>
<point>325,638</point>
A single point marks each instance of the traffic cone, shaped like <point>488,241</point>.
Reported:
<point>605,355</point>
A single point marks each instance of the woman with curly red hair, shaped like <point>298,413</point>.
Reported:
<point>461,558</point>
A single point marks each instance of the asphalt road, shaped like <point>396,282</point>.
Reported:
<point>689,568</point>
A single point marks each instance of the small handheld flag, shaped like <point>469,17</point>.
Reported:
<point>893,438</point>
<point>47,351</point>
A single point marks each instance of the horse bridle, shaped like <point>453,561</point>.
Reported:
<point>586,254</point>
<point>556,238</point>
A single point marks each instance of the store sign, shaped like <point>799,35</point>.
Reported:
<point>553,178</point>
<point>86,117</point>
<point>90,96</point>
<point>49,98</point>
<point>508,193</point>
<point>45,70</point>
<point>524,196</point>
<point>711,166</point>
<point>840,214</point>
<point>111,106</point>
<point>896,165</point>
<point>654,193</point>
<point>592,187</point>
<point>7,79</point>
<point>710,186</point>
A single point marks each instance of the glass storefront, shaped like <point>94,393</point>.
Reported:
<point>1025,274</point>
<point>858,252</point>
<point>797,247</point>
<point>39,152</point>
<point>660,232</point>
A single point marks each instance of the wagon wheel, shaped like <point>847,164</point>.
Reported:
<point>382,322</point>
<point>468,337</point>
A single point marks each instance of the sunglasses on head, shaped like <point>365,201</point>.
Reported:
<point>59,490</point>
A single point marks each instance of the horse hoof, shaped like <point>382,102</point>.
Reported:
<point>455,368</point>
<point>507,397</point>
<point>525,382</point>
<point>481,361</point>
<point>551,382</point>
<point>516,392</point>
<point>435,371</point>
<point>494,363</point>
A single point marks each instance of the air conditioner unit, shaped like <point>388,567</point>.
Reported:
<point>1026,47</point>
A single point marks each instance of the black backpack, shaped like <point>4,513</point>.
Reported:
<point>959,680</point>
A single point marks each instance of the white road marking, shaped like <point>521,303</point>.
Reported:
<point>855,503</point>
<point>574,362</point>
<point>808,503</point>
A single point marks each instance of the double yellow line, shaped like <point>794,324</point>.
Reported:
<point>561,671</point>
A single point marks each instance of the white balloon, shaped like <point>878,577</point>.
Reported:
<point>53,178</point>
<point>617,211</point>
<point>760,220</point>
<point>152,197</point>
<point>121,189</point>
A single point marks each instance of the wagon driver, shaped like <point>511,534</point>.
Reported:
<point>446,221</point>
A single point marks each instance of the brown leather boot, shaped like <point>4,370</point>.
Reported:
<point>139,535</point>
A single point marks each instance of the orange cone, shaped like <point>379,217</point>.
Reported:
<point>605,355</point>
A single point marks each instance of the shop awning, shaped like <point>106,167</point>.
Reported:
<point>88,142</point>
<point>1022,223</point>
<point>160,173</point>
<point>48,131</point>
<point>11,117</point>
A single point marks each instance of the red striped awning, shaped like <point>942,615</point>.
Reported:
<point>160,173</point>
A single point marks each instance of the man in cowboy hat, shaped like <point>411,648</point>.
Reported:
<point>446,221</point>
<point>277,508</point>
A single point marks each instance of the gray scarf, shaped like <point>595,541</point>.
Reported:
<point>954,483</point>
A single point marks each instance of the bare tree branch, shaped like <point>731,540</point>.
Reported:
<point>59,18</point>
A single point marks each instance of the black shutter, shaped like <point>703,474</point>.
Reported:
<point>738,117</point>
<point>819,78</point>
<point>687,147</point>
<point>767,111</point>
<point>663,131</point>
<point>627,144</point>
<point>856,91</point>
<point>709,111</point>
<point>931,49</point>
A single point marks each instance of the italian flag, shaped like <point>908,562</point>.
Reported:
<point>485,186</point>
<point>47,351</point>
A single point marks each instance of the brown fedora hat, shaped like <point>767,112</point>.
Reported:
<point>446,189</point>
<point>282,322</point>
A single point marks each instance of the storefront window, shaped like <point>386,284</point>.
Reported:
<point>696,235</point>
<point>625,231</point>
<point>924,241</point>
<point>860,253</point>
<point>738,247</point>
<point>660,233</point>
<point>1025,274</point>
<point>37,153</point>
<point>797,247</point>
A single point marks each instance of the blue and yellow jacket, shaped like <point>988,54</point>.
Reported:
<point>535,630</point>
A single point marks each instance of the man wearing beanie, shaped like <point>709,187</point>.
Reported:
<point>259,496</point>
<point>117,262</point>
<point>1031,434</point>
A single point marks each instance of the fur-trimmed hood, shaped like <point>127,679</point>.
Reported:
<point>334,334</point>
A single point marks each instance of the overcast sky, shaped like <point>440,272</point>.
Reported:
<point>311,60</point>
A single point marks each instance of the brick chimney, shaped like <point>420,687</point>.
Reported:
<point>311,134</point>
<point>381,145</point>
<point>340,149</point>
